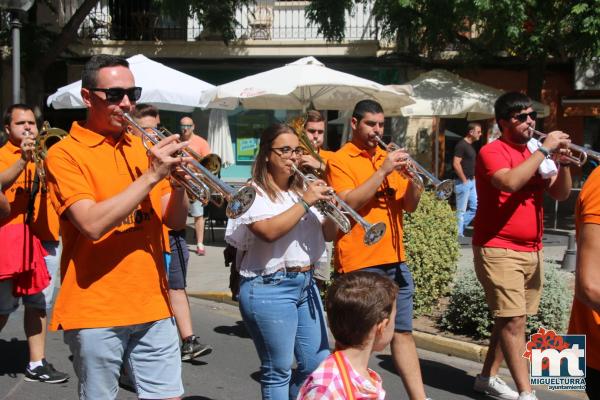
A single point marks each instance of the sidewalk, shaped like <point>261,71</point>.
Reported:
<point>208,278</point>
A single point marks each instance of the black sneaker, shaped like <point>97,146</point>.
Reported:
<point>45,373</point>
<point>192,348</point>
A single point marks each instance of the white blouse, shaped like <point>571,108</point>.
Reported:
<point>303,245</point>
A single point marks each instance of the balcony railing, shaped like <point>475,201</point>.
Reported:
<point>265,20</point>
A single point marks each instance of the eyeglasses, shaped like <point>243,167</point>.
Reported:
<point>523,116</point>
<point>286,151</point>
<point>319,131</point>
<point>186,126</point>
<point>115,95</point>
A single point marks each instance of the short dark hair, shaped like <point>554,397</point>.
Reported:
<point>366,106</point>
<point>144,110</point>
<point>356,302</point>
<point>509,103</point>
<point>11,108</point>
<point>473,125</point>
<point>314,116</point>
<point>90,70</point>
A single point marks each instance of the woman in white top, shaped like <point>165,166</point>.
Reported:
<point>279,240</point>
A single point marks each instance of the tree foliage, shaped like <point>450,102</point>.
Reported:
<point>530,32</point>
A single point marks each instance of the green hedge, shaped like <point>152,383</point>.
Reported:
<point>430,241</point>
<point>468,314</point>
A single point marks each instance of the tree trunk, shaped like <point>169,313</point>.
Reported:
<point>34,77</point>
<point>535,83</point>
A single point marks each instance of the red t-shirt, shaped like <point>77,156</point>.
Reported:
<point>507,220</point>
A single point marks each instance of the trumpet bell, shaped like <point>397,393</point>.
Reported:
<point>374,233</point>
<point>240,202</point>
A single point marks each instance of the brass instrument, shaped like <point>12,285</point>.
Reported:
<point>47,138</point>
<point>202,184</point>
<point>309,147</point>
<point>414,172</point>
<point>580,153</point>
<point>373,232</point>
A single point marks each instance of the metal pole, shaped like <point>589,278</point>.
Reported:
<point>15,24</point>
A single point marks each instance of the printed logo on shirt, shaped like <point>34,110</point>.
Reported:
<point>556,361</point>
<point>139,216</point>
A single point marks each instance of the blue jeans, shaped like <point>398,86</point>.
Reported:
<point>284,315</point>
<point>466,203</point>
<point>149,351</point>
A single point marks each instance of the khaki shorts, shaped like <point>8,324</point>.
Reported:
<point>512,280</point>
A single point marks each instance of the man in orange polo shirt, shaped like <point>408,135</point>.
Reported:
<point>585,314</point>
<point>367,178</point>
<point>29,206</point>
<point>4,205</point>
<point>112,199</point>
<point>200,146</point>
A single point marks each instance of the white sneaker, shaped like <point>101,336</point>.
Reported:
<point>528,396</point>
<point>496,387</point>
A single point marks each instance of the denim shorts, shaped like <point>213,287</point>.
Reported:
<point>399,273</point>
<point>178,264</point>
<point>150,354</point>
<point>196,209</point>
<point>42,300</point>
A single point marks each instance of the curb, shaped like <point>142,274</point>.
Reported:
<point>219,297</point>
<point>425,341</point>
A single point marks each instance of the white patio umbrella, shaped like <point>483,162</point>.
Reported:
<point>441,93</point>
<point>219,137</point>
<point>162,86</point>
<point>302,84</point>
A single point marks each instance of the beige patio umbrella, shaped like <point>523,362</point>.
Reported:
<point>439,93</point>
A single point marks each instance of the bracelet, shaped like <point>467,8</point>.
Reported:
<point>305,205</point>
<point>564,165</point>
<point>544,151</point>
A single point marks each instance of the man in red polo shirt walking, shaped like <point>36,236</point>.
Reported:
<point>511,175</point>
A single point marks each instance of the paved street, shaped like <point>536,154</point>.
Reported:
<point>231,371</point>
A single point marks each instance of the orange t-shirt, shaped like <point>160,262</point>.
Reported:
<point>326,155</point>
<point>119,279</point>
<point>44,223</point>
<point>584,320</point>
<point>199,145</point>
<point>350,167</point>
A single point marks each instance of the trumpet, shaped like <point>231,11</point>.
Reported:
<point>414,172</point>
<point>373,232</point>
<point>202,183</point>
<point>580,153</point>
<point>47,138</point>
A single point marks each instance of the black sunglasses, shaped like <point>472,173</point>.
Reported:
<point>319,131</point>
<point>523,116</point>
<point>115,95</point>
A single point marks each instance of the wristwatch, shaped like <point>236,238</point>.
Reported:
<point>544,151</point>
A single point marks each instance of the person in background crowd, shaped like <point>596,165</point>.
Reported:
<point>464,185</point>
<point>113,199</point>
<point>148,117</point>
<point>279,240</point>
<point>511,174</point>
<point>200,146</point>
<point>368,179</point>
<point>361,309</point>
<point>585,313</point>
<point>32,213</point>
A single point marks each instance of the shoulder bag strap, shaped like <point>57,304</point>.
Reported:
<point>345,375</point>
